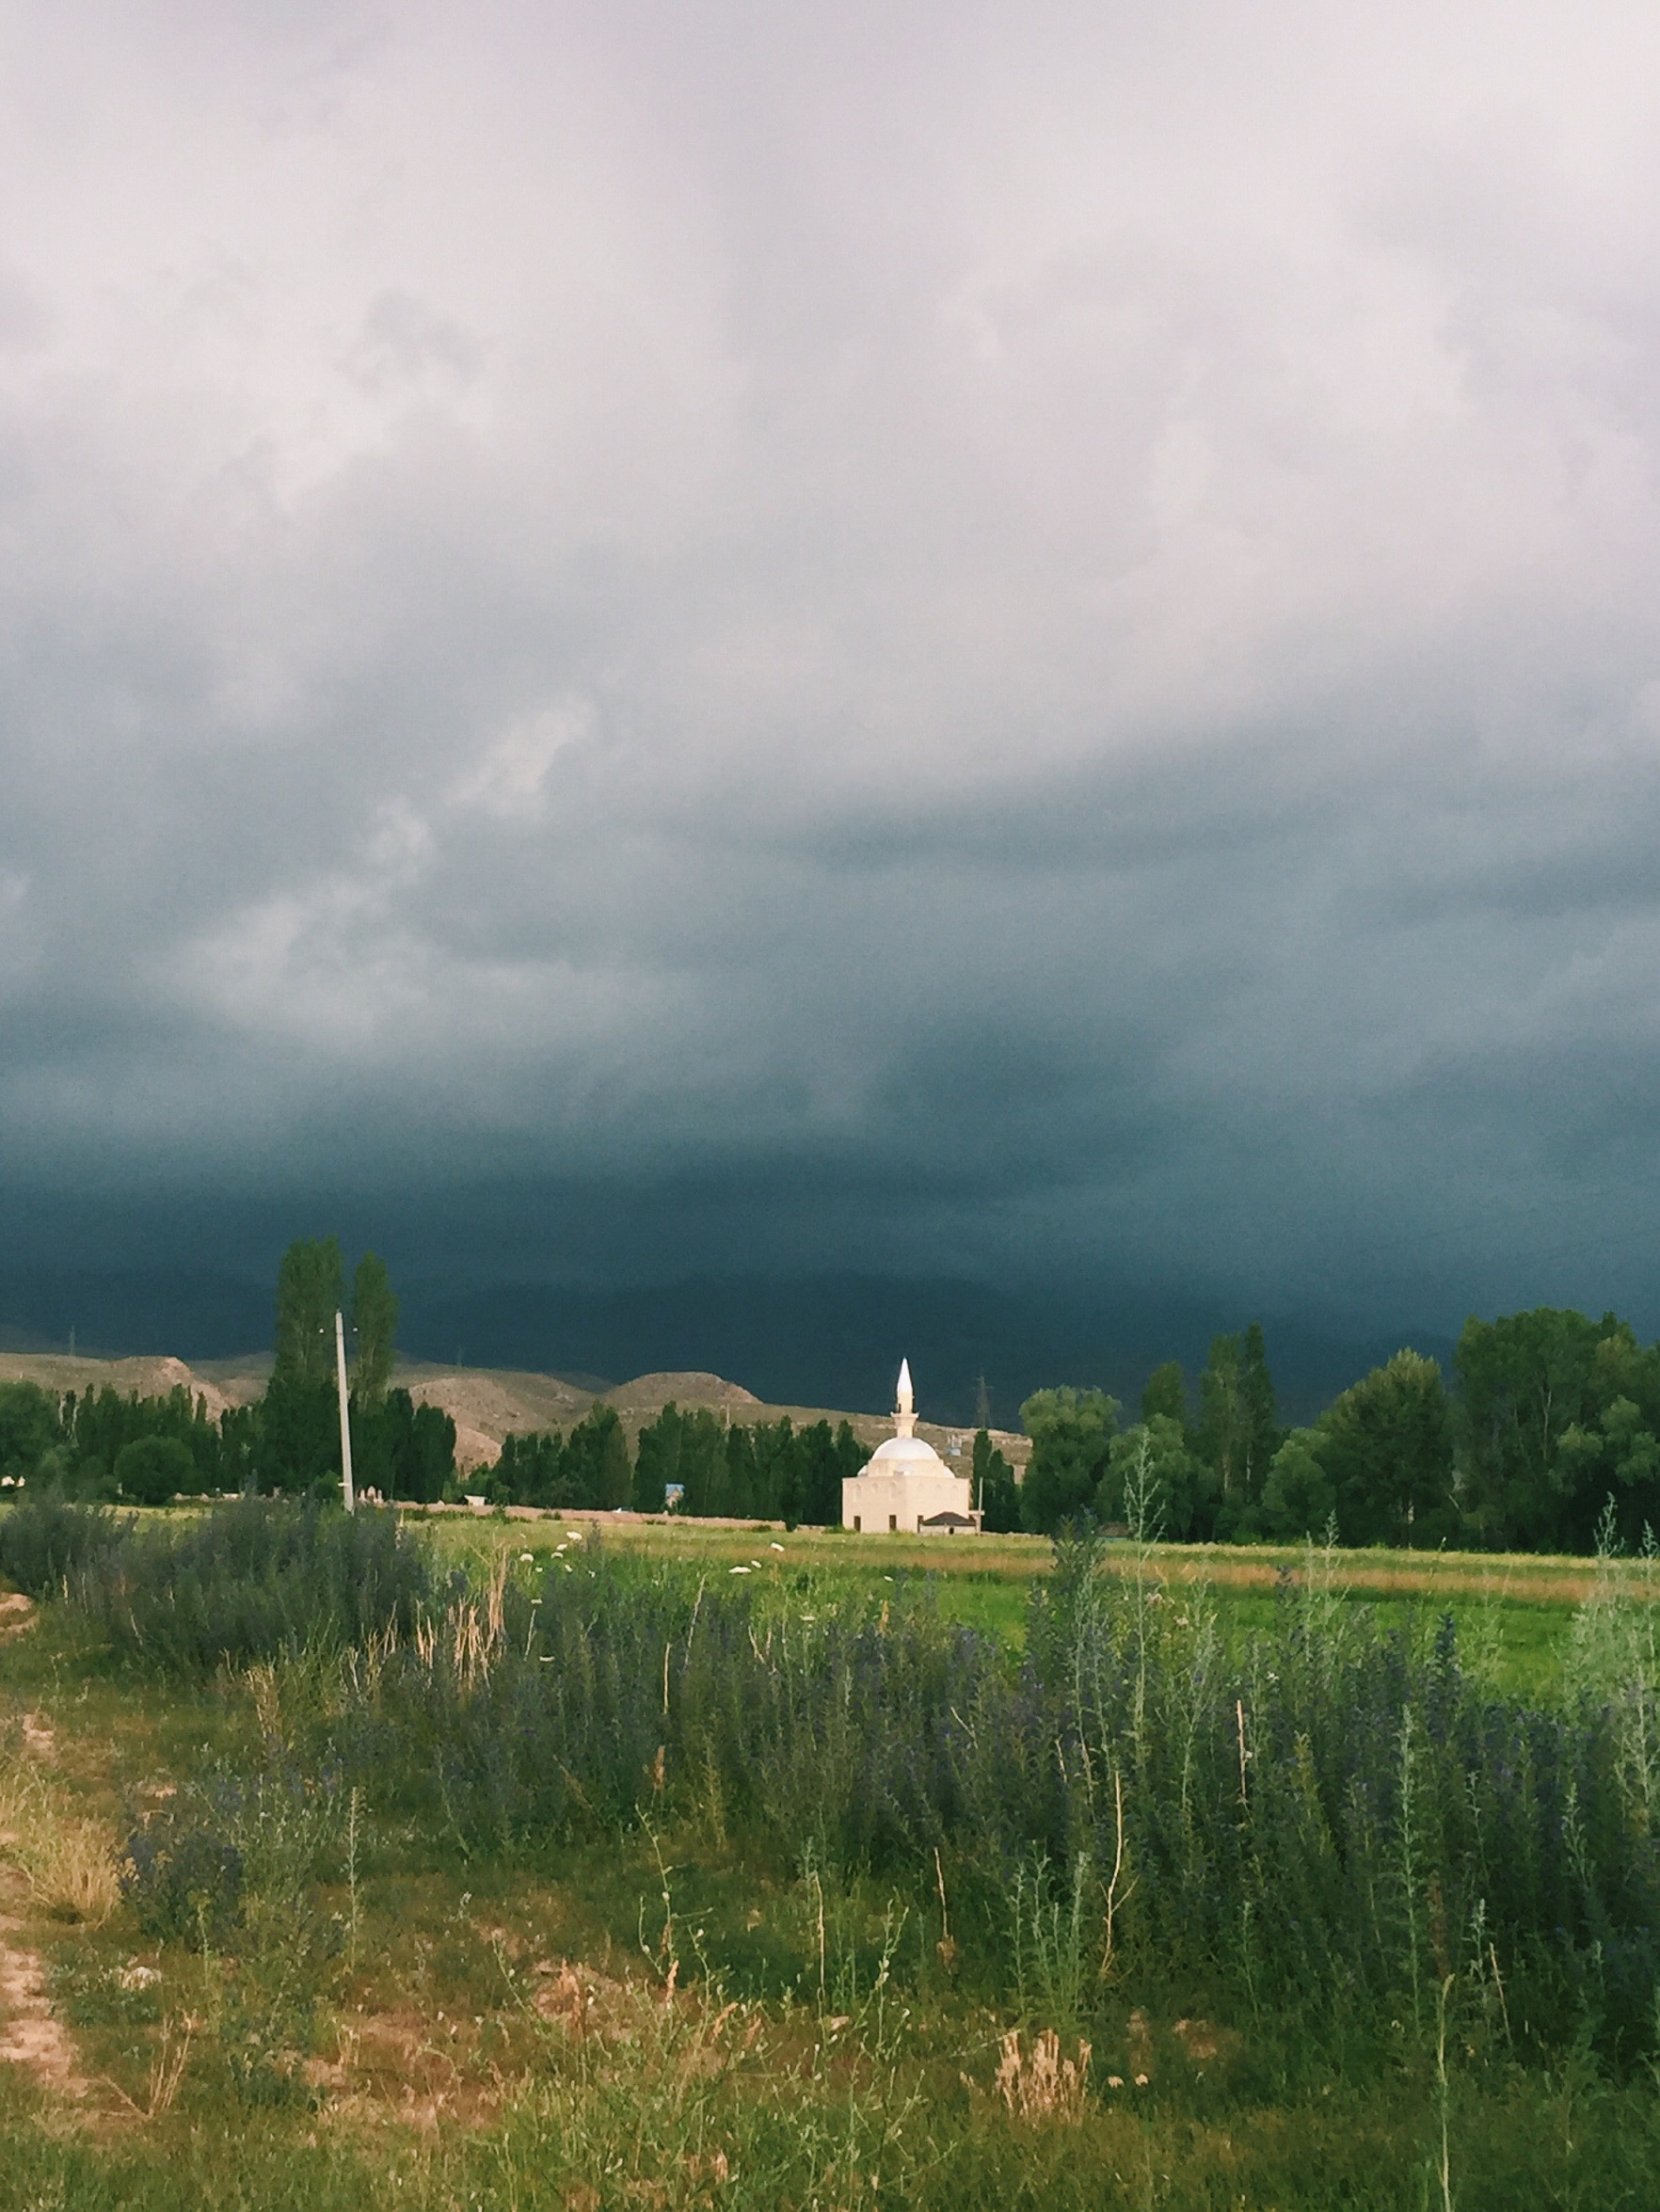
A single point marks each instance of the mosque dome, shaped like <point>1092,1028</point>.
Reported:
<point>907,1455</point>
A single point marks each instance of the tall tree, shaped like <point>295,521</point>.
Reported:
<point>1298,1499</point>
<point>1151,1482</point>
<point>596,1469</point>
<point>827,1459</point>
<point>1221,1419</point>
<point>656,1460</point>
<point>1166,1394</point>
<point>996,1494</point>
<point>1262,1413</point>
<point>310,1289</point>
<point>1070,1431</point>
<point>1559,1414</point>
<point>1386,1448</point>
<point>375,1325</point>
<point>703,1462</point>
<point>1239,1419</point>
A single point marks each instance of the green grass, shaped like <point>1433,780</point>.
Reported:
<point>389,2029</point>
<point>1513,1612</point>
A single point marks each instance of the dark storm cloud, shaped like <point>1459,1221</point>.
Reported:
<point>838,636</point>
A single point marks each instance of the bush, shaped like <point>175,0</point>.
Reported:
<point>151,1470</point>
<point>45,1543</point>
<point>1338,1816</point>
<point>184,1881</point>
<point>248,1580</point>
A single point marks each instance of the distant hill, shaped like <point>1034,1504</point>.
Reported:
<point>825,1340</point>
<point>145,1376</point>
<point>486,1403</point>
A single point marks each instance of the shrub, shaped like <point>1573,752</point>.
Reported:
<point>44,1542</point>
<point>184,1880</point>
<point>151,1470</point>
<point>1339,1816</point>
<point>248,1580</point>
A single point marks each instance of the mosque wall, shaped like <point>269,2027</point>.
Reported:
<point>877,1502</point>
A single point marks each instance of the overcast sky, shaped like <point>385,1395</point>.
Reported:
<point>1014,638</point>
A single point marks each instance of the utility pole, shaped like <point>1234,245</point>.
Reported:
<point>346,1418</point>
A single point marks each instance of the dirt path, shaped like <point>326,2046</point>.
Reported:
<point>30,2034</point>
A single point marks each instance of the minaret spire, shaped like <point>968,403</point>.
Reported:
<point>904,1416</point>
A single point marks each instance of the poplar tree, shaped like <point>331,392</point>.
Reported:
<point>375,1323</point>
<point>309,1290</point>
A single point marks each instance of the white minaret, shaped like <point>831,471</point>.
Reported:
<point>904,1412</point>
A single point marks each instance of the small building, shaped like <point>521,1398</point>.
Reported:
<point>905,1488</point>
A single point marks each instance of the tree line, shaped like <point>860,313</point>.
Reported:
<point>1547,1438</point>
<point>1548,1441</point>
<point>113,1447</point>
<point>694,1460</point>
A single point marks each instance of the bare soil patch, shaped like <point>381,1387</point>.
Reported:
<point>31,2035</point>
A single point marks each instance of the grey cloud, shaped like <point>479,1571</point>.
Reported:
<point>811,639</point>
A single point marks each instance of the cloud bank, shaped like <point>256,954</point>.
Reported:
<point>1020,640</point>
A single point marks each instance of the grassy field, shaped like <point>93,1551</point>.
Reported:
<point>1513,1612</point>
<point>397,2000</point>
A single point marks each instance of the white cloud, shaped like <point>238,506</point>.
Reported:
<point>510,777</point>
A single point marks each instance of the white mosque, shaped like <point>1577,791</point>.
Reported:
<point>905,1486</point>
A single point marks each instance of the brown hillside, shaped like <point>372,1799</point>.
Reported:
<point>649,1393</point>
<point>147,1377</point>
<point>486,1403</point>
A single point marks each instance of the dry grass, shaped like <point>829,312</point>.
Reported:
<point>67,1859</point>
<point>1039,2086</point>
<point>1521,1578</point>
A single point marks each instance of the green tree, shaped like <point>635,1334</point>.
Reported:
<point>1151,1482</point>
<point>656,1460</point>
<point>29,1427</point>
<point>596,1469</point>
<point>1386,1448</point>
<point>529,1471</point>
<point>375,1328</point>
<point>152,1468</point>
<point>703,1462</point>
<point>1298,1499</point>
<point>827,1459</point>
<point>1238,1421</point>
<point>1560,1413</point>
<point>1166,1394</point>
<point>742,1474</point>
<point>996,1493</point>
<point>429,1468</point>
<point>297,1447</point>
<point>310,1292</point>
<point>298,1436</point>
<point>1070,1431</point>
